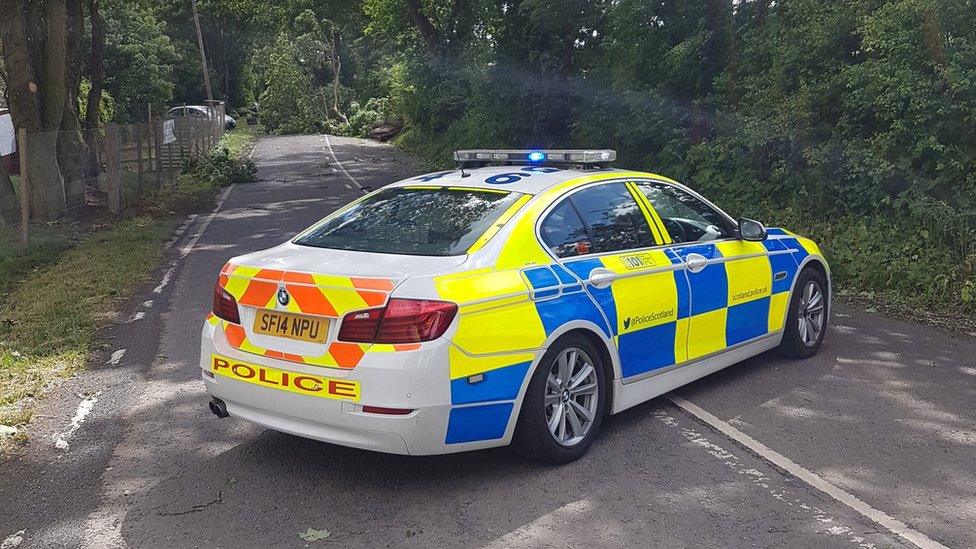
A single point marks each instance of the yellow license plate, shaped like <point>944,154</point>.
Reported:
<point>293,382</point>
<point>292,326</point>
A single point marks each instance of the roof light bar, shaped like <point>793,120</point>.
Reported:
<point>537,156</point>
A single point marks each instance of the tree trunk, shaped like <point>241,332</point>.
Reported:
<point>94,99</point>
<point>423,24</point>
<point>46,185</point>
<point>73,153</point>
<point>73,158</point>
<point>34,35</point>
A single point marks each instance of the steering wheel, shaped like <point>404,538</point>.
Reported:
<point>675,229</point>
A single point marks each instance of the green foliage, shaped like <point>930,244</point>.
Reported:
<point>139,60</point>
<point>854,122</point>
<point>287,101</point>
<point>106,106</point>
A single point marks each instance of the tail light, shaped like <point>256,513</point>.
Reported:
<point>225,306</point>
<point>360,326</point>
<point>401,321</point>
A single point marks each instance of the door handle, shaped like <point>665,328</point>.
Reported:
<point>601,278</point>
<point>696,262</point>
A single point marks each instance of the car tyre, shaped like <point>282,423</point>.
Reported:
<point>806,319</point>
<point>584,395</point>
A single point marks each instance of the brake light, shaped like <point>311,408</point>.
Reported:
<point>225,306</point>
<point>401,321</point>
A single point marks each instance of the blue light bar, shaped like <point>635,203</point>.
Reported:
<point>535,156</point>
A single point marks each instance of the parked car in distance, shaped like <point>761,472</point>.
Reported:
<point>199,111</point>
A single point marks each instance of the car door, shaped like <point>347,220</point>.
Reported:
<point>605,236</point>
<point>730,279</point>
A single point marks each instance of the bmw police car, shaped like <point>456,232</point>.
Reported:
<point>517,299</point>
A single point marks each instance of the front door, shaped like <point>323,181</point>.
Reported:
<point>610,241</point>
<point>730,280</point>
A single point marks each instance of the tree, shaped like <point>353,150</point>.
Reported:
<point>35,54</point>
<point>139,60</point>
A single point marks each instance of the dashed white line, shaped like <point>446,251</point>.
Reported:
<point>148,303</point>
<point>116,357</point>
<point>13,540</point>
<point>879,517</point>
<point>162,283</point>
<point>138,315</point>
<point>349,176</point>
<point>206,223</point>
<point>84,408</point>
<point>185,251</point>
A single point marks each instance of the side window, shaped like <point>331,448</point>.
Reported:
<point>603,218</point>
<point>564,233</point>
<point>686,218</point>
<point>613,217</point>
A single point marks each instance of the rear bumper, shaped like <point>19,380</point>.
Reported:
<point>418,380</point>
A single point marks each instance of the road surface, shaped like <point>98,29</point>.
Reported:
<point>879,429</point>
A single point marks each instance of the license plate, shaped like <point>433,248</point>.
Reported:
<point>292,326</point>
<point>293,382</point>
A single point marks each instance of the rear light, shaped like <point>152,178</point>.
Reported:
<point>360,326</point>
<point>401,321</point>
<point>225,306</point>
<point>387,411</point>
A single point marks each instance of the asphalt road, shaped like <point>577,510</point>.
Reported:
<point>885,413</point>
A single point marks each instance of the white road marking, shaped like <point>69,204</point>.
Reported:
<point>179,232</point>
<point>116,357</point>
<point>162,283</point>
<point>138,315</point>
<point>148,303</point>
<point>349,176</point>
<point>880,518</point>
<point>84,408</point>
<point>13,540</point>
<point>206,223</point>
<point>185,251</point>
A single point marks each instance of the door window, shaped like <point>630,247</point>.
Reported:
<point>607,215</point>
<point>686,218</point>
<point>563,231</point>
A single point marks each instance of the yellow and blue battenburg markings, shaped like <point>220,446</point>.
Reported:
<point>658,313</point>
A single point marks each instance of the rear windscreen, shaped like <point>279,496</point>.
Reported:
<point>412,221</point>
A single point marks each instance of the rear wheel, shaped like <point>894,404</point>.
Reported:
<point>806,321</point>
<point>564,404</point>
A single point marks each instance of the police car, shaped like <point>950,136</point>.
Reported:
<point>517,299</point>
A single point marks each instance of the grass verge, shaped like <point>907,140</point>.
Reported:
<point>48,320</point>
<point>56,293</point>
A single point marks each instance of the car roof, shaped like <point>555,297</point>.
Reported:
<point>522,179</point>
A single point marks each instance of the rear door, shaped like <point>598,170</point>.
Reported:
<point>730,280</point>
<point>606,237</point>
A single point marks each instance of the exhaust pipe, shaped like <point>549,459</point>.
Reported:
<point>218,408</point>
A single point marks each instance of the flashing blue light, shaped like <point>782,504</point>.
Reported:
<point>536,156</point>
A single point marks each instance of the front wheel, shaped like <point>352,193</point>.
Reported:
<point>806,321</point>
<point>564,404</point>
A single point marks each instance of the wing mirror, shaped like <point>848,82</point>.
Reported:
<point>751,230</point>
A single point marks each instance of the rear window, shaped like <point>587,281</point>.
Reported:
<point>412,222</point>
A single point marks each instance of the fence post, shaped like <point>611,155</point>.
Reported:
<point>24,187</point>
<point>157,131</point>
<point>139,138</point>
<point>114,168</point>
